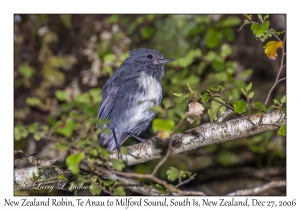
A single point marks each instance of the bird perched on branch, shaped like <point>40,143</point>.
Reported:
<point>128,96</point>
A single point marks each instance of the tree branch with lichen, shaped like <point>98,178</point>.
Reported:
<point>48,171</point>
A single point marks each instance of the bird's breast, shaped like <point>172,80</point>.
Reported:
<point>151,88</point>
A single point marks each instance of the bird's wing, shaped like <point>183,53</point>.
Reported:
<point>108,102</point>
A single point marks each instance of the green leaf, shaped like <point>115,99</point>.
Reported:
<point>251,95</point>
<point>167,103</point>
<point>147,32</point>
<point>260,106</point>
<point>259,30</point>
<point>231,97</point>
<point>109,58</point>
<point>240,106</point>
<point>227,158</point>
<point>206,97</point>
<point>73,160</point>
<point>210,56</point>
<point>265,17</point>
<point>178,94</point>
<point>187,60</point>
<point>93,152</point>
<point>157,109</point>
<point>259,16</point>
<point>245,23</point>
<point>230,21</point>
<point>245,74</point>
<point>264,37</point>
<point>33,127</point>
<point>95,189</point>
<point>124,151</point>
<point>276,101</point>
<point>217,88</point>
<point>190,89</point>
<point>213,111</point>
<point>26,71</point>
<point>228,33</point>
<point>185,173</point>
<point>33,101</point>
<point>173,174</point>
<point>107,183</point>
<point>283,99</point>
<point>62,177</point>
<point>117,164</point>
<point>66,129</point>
<point>276,32</point>
<point>282,131</point>
<point>243,91</point>
<point>249,86</point>
<point>119,191</point>
<point>161,124</point>
<point>213,37</point>
<point>160,188</point>
<point>217,65</point>
<point>95,93</point>
<point>103,151</point>
<point>18,132</point>
<point>225,51</point>
<point>61,95</point>
<point>36,137</point>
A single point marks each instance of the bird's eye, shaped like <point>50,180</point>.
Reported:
<point>149,56</point>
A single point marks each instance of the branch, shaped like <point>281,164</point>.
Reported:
<point>260,189</point>
<point>206,134</point>
<point>35,161</point>
<point>210,133</point>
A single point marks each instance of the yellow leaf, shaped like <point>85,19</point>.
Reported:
<point>271,48</point>
<point>163,134</point>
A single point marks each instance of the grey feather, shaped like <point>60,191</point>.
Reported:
<point>129,94</point>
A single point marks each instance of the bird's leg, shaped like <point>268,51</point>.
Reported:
<point>136,137</point>
<point>116,141</point>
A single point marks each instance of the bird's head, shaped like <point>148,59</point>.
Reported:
<point>149,57</point>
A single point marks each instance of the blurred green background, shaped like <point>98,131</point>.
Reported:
<point>62,61</point>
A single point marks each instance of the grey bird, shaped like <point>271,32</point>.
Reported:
<point>128,96</point>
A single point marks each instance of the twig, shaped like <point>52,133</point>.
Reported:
<point>164,159</point>
<point>37,162</point>
<point>282,79</point>
<point>105,190</point>
<point>278,74</point>
<point>230,107</point>
<point>84,166</point>
<point>226,114</point>
<point>186,181</point>
<point>267,29</point>
<point>178,125</point>
<point>260,189</point>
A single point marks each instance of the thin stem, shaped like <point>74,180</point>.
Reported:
<point>278,74</point>
<point>178,125</point>
<point>164,159</point>
<point>267,29</point>
<point>186,181</point>
<point>282,79</point>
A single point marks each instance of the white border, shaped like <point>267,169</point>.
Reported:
<point>8,8</point>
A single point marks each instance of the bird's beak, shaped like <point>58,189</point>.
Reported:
<point>165,60</point>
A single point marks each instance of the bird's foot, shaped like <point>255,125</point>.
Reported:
<point>136,137</point>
